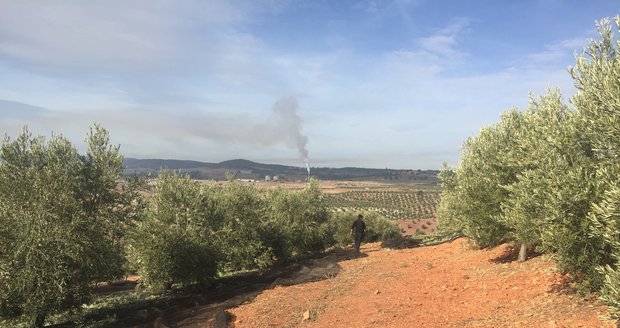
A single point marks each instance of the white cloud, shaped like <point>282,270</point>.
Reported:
<point>62,34</point>
<point>119,36</point>
<point>196,80</point>
<point>432,55</point>
<point>445,41</point>
<point>558,51</point>
<point>145,52</point>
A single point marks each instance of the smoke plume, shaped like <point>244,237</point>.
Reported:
<point>288,124</point>
<point>282,126</point>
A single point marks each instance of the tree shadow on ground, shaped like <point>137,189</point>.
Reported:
<point>564,285</point>
<point>512,255</point>
<point>400,243</point>
<point>213,312</point>
<point>404,242</point>
<point>347,253</point>
<point>194,307</point>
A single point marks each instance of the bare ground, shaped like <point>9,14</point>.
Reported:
<point>448,285</point>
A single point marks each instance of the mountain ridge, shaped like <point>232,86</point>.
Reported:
<point>246,169</point>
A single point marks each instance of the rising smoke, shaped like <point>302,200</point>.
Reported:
<point>282,126</point>
<point>289,124</point>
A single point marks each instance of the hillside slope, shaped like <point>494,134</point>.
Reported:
<point>449,285</point>
<point>251,170</point>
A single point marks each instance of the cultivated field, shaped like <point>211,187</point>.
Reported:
<point>413,206</point>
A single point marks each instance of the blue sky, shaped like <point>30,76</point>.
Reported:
<point>398,84</point>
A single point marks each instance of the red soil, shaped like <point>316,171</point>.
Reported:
<point>410,227</point>
<point>449,285</point>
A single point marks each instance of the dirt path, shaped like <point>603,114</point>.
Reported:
<point>448,285</point>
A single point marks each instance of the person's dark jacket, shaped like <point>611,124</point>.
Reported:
<point>359,226</point>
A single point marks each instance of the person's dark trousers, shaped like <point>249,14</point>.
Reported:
<point>358,240</point>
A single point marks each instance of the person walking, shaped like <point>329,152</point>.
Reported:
<point>357,231</point>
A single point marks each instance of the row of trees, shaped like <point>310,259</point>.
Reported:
<point>549,176</point>
<point>192,231</point>
<point>68,221</point>
<point>62,221</point>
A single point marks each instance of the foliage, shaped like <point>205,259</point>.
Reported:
<point>296,222</point>
<point>238,237</point>
<point>378,228</point>
<point>606,223</point>
<point>56,227</point>
<point>475,191</point>
<point>548,176</point>
<point>171,244</point>
<point>192,231</point>
<point>451,209</point>
<point>597,77</point>
<point>116,207</point>
<point>253,230</point>
<point>550,201</point>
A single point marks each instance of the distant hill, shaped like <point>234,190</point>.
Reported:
<point>244,169</point>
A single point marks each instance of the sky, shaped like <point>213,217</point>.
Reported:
<point>381,84</point>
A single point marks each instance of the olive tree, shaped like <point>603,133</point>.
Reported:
<point>473,193</point>
<point>549,176</point>
<point>239,235</point>
<point>171,244</point>
<point>296,221</point>
<point>597,78</point>
<point>551,196</point>
<point>55,238</point>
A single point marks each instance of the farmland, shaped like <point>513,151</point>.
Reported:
<point>413,206</point>
<point>394,201</point>
<point>395,205</point>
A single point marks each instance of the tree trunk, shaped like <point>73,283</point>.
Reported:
<point>522,253</point>
<point>39,320</point>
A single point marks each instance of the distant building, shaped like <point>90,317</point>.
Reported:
<point>275,178</point>
<point>267,178</point>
